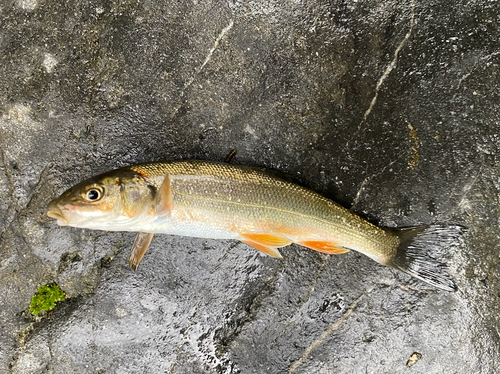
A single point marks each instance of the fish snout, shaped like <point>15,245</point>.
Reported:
<point>53,211</point>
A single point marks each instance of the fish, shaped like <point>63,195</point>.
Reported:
<point>254,205</point>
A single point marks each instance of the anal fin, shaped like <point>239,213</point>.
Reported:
<point>141,245</point>
<point>324,247</point>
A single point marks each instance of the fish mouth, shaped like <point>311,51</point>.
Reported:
<point>56,213</point>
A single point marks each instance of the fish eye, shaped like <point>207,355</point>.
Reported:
<point>94,193</point>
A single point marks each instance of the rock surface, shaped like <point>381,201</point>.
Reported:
<point>388,107</point>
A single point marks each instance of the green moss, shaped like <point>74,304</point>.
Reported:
<point>46,298</point>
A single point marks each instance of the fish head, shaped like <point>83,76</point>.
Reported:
<point>112,201</point>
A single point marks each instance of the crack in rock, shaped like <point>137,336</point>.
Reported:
<point>333,327</point>
<point>212,50</point>
<point>480,61</point>
<point>392,64</point>
<point>368,180</point>
<point>207,59</point>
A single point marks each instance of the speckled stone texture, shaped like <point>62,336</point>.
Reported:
<point>388,107</point>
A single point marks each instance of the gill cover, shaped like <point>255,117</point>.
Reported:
<point>136,193</point>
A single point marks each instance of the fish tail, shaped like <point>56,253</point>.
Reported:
<point>421,250</point>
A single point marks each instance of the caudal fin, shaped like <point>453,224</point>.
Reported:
<point>421,253</point>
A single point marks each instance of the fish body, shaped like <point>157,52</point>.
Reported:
<point>223,201</point>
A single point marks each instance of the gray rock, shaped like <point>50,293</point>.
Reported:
<point>389,108</point>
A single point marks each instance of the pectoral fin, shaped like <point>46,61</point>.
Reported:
<point>324,247</point>
<point>267,243</point>
<point>141,245</point>
<point>164,201</point>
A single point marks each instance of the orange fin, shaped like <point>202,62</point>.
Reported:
<point>164,202</point>
<point>267,243</point>
<point>273,252</point>
<point>141,245</point>
<point>269,240</point>
<point>324,246</point>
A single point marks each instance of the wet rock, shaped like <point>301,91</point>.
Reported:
<point>389,108</point>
